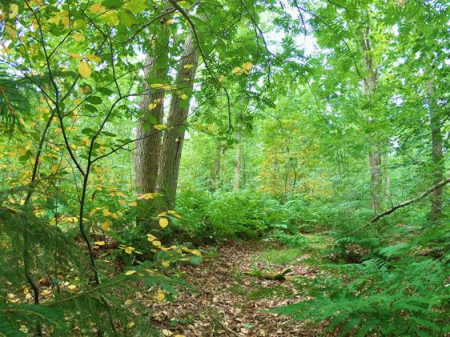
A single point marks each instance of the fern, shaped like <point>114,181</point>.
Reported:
<point>387,298</point>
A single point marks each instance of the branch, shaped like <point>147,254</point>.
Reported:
<point>204,56</point>
<point>409,202</point>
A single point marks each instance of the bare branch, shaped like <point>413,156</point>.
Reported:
<point>409,202</point>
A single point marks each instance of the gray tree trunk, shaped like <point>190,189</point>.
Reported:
<point>437,157</point>
<point>369,86</point>
<point>174,134</point>
<point>238,167</point>
<point>148,147</point>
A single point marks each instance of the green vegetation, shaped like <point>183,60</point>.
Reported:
<point>182,168</point>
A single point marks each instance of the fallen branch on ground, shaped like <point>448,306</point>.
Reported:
<point>224,326</point>
<point>409,202</point>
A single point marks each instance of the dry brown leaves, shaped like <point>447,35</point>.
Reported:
<point>226,302</point>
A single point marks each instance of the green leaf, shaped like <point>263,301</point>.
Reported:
<point>88,131</point>
<point>94,100</point>
<point>196,260</point>
<point>106,91</point>
<point>136,6</point>
<point>108,134</point>
<point>126,18</point>
<point>112,3</point>
<point>91,108</point>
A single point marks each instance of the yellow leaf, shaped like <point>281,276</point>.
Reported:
<point>85,69</point>
<point>151,106</point>
<point>100,243</point>
<point>162,214</point>
<point>175,214</point>
<point>78,36</point>
<point>160,296</point>
<point>127,303</point>
<point>86,141</point>
<point>179,336</point>
<point>169,22</point>
<point>94,58</point>
<point>75,56</point>
<point>56,19</point>
<point>156,243</point>
<point>133,204</point>
<point>151,237</point>
<point>80,23</point>
<point>111,18</point>
<point>122,202</point>
<point>184,96</point>
<point>188,66</point>
<point>106,225</point>
<point>45,110</point>
<point>160,127</point>
<point>106,212</point>
<point>247,66</point>
<point>167,332</point>
<point>13,11</point>
<point>97,8</point>
<point>11,30</point>
<point>163,222</point>
<point>196,252</point>
<point>91,213</point>
<point>129,250</point>
<point>147,196</point>
<point>5,50</point>
<point>237,71</point>
<point>66,21</point>
<point>130,325</point>
<point>72,287</point>
<point>156,85</point>
<point>165,264</point>
<point>22,151</point>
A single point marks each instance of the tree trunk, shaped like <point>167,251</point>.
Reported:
<point>376,179</point>
<point>237,169</point>
<point>217,164</point>
<point>369,86</point>
<point>174,134</point>
<point>152,105</point>
<point>437,158</point>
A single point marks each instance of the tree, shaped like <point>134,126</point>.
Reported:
<point>369,88</point>
<point>176,123</point>
<point>148,146</point>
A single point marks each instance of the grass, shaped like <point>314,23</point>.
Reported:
<point>272,292</point>
<point>283,256</point>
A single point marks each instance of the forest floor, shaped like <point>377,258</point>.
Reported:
<point>228,299</point>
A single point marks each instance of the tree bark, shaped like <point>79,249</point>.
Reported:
<point>174,134</point>
<point>369,86</point>
<point>437,158</point>
<point>152,105</point>
<point>237,169</point>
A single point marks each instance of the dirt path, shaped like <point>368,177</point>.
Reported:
<point>229,302</point>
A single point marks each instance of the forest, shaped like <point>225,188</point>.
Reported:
<point>224,168</point>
